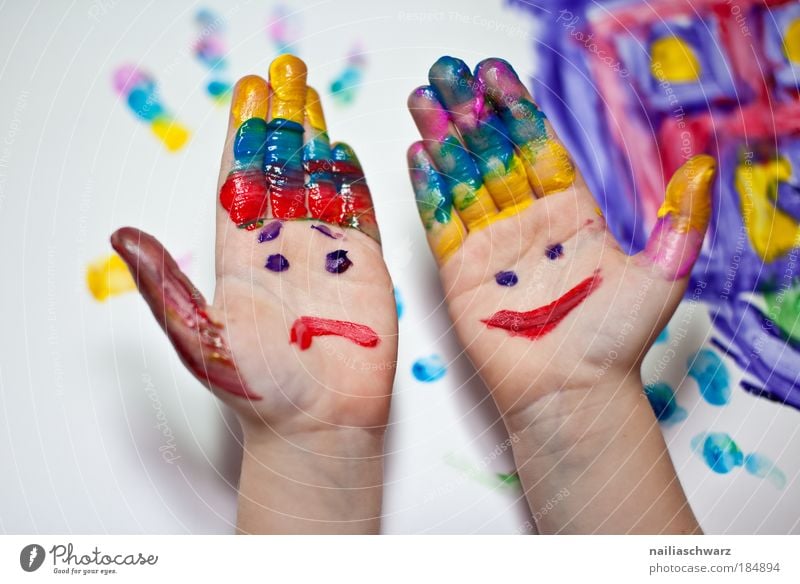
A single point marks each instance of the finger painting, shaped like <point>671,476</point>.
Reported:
<point>210,49</point>
<point>673,82</point>
<point>344,88</point>
<point>139,91</point>
<point>722,455</point>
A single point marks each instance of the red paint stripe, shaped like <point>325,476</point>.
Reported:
<point>244,197</point>
<point>538,322</point>
<point>306,328</point>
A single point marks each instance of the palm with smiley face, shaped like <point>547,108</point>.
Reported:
<point>543,298</point>
<point>302,333</point>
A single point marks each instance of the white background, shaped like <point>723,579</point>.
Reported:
<point>79,446</point>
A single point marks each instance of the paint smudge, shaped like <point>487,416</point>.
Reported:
<point>270,231</point>
<point>722,455</point>
<point>108,276</point>
<point>507,278</point>
<point>483,476</point>
<point>662,337</point>
<point>277,263</point>
<point>210,50</point>
<point>345,86</point>
<point>398,302</point>
<point>283,29</point>
<point>305,328</point>
<point>662,400</point>
<point>536,323</point>
<point>553,252</point>
<point>711,375</point>
<point>337,262</point>
<point>428,369</point>
<point>326,231</point>
<point>140,92</point>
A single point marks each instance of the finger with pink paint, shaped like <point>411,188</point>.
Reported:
<point>140,92</point>
<point>301,337</point>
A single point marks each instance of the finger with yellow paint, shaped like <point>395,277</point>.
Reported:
<point>459,172</point>
<point>677,237</point>
<point>547,162</point>
<point>283,162</point>
<point>443,227</point>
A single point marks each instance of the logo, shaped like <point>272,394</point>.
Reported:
<point>31,557</point>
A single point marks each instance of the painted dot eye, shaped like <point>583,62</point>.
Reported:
<point>337,262</point>
<point>553,252</point>
<point>508,278</point>
<point>277,263</point>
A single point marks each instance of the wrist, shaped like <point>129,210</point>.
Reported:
<point>318,481</point>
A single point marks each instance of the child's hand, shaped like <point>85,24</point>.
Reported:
<point>542,296</point>
<point>554,315</point>
<point>301,338</point>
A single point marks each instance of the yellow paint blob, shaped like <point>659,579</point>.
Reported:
<point>109,276</point>
<point>791,41</point>
<point>772,232</point>
<point>250,100</point>
<point>314,110</point>
<point>171,133</point>
<point>447,238</point>
<point>287,75</point>
<point>672,59</point>
<point>504,214</point>
<point>508,187</point>
<point>550,168</point>
<point>473,206</point>
<point>688,197</point>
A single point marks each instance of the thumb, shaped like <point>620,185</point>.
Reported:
<point>677,237</point>
<point>181,311</point>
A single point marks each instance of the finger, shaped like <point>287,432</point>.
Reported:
<point>677,237</point>
<point>545,159</point>
<point>283,163</point>
<point>443,227</point>
<point>323,200</point>
<point>243,194</point>
<point>181,311</point>
<point>503,172</point>
<point>462,178</point>
<point>351,185</point>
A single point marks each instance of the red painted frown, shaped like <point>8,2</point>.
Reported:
<point>536,323</point>
<point>306,328</point>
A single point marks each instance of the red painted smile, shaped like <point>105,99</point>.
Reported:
<point>538,322</point>
<point>306,328</point>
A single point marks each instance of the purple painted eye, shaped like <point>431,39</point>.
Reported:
<point>270,231</point>
<point>326,231</point>
<point>506,278</point>
<point>555,251</point>
<point>277,263</point>
<point>337,262</point>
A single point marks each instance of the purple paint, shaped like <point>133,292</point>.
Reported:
<point>508,278</point>
<point>554,252</point>
<point>337,262</point>
<point>277,263</point>
<point>325,230</point>
<point>271,231</point>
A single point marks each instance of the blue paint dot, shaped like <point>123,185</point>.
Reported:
<point>218,88</point>
<point>711,375</point>
<point>506,278</point>
<point>662,337</point>
<point>762,466</point>
<point>398,300</point>
<point>429,369</point>
<point>277,263</point>
<point>554,252</point>
<point>719,451</point>
<point>662,400</point>
<point>337,262</point>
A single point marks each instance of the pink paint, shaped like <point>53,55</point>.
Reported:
<point>536,323</point>
<point>306,328</point>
